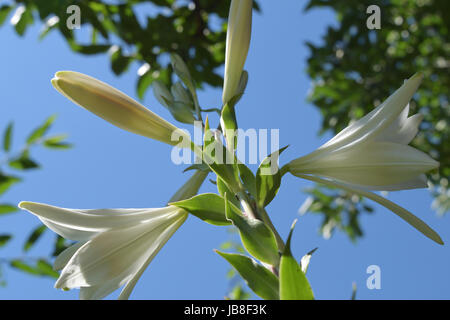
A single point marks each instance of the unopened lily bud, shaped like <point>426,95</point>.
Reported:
<point>238,42</point>
<point>113,106</point>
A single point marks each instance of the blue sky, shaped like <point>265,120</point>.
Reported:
<point>111,168</point>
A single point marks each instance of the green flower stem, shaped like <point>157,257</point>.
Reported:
<point>197,107</point>
<point>246,206</point>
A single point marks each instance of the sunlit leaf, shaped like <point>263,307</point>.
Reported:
<point>263,282</point>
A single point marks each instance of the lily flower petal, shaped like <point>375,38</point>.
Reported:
<point>372,153</point>
<point>403,130</point>
<point>401,212</point>
<point>375,122</point>
<point>115,245</point>
<point>379,164</point>
<point>64,257</point>
<point>80,224</point>
<point>118,254</point>
<point>113,106</point>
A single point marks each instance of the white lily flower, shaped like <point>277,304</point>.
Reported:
<point>113,106</point>
<point>373,152</point>
<point>114,246</point>
<point>237,45</point>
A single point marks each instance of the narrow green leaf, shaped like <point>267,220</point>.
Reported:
<point>209,207</point>
<point>24,162</point>
<point>223,188</point>
<point>34,236</point>
<point>268,178</point>
<point>4,239</point>
<point>198,166</point>
<point>40,131</point>
<point>293,282</point>
<point>263,282</point>
<point>46,269</point>
<point>42,268</point>
<point>6,182</point>
<point>7,137</point>
<point>256,237</point>
<point>59,246</point>
<point>144,81</point>
<point>182,71</point>
<point>119,61</point>
<point>4,12</point>
<point>57,142</point>
<point>248,179</point>
<point>410,218</point>
<point>7,208</point>
<point>23,17</point>
<point>354,290</point>
<point>23,266</point>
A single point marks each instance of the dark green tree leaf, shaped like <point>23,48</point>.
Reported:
<point>34,237</point>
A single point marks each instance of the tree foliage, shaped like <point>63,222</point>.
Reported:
<point>196,30</point>
<point>14,165</point>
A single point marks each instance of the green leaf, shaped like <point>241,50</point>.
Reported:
<point>6,182</point>
<point>223,189</point>
<point>46,269</point>
<point>23,266</point>
<point>7,137</point>
<point>263,282</point>
<point>23,17</point>
<point>57,142</point>
<point>59,246</point>
<point>4,12</point>
<point>34,236</point>
<point>248,179</point>
<point>42,268</point>
<point>40,131</point>
<point>89,49</point>
<point>4,239</point>
<point>23,162</point>
<point>220,160</point>
<point>198,166</point>
<point>182,71</point>
<point>209,207</point>
<point>119,62</point>
<point>293,283</point>
<point>144,81</point>
<point>267,182</point>
<point>7,208</point>
<point>256,237</point>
